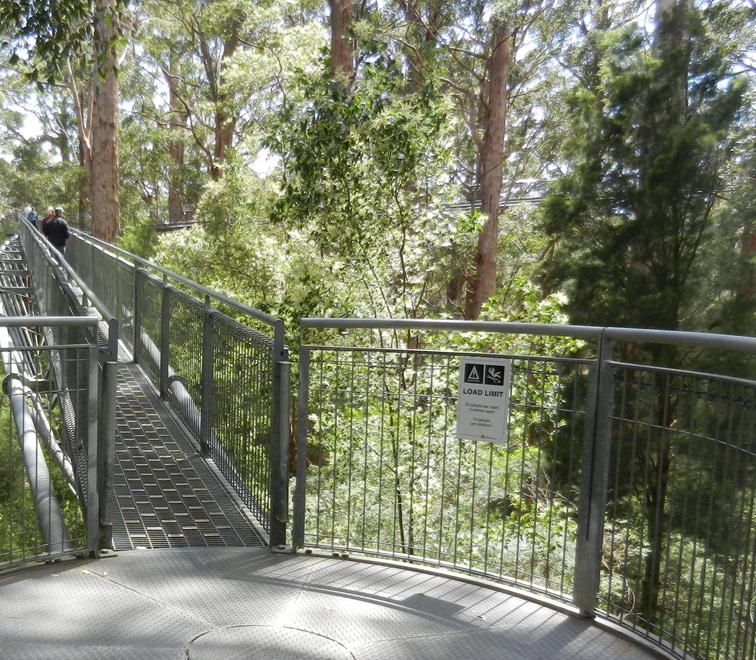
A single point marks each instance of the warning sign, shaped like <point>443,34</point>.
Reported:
<point>483,398</point>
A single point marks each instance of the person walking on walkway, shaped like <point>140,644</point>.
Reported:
<point>48,216</point>
<point>56,230</point>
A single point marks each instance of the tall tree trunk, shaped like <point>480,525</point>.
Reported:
<point>176,124</point>
<point>342,48</point>
<point>224,120</point>
<point>494,106</point>
<point>106,223</point>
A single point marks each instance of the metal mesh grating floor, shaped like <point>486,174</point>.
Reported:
<point>165,494</point>
<point>240,603</point>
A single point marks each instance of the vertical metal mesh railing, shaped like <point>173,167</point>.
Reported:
<point>386,474</point>
<point>242,388</point>
<point>44,467</point>
<point>681,520</point>
<point>225,378</point>
<point>147,319</point>
<point>183,344</point>
<point>628,489</point>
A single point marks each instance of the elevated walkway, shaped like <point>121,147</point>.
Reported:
<point>190,576</point>
<point>166,495</point>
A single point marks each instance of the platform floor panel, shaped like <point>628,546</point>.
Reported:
<point>233,603</point>
<point>165,495</point>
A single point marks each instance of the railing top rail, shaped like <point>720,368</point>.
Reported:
<point>681,338</point>
<point>250,311</point>
<point>49,321</point>
<point>576,331</point>
<point>678,337</point>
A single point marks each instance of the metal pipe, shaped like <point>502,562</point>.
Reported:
<point>49,515</point>
<point>707,340</point>
<point>298,523</point>
<point>593,489</point>
<point>254,313</point>
<point>48,437</point>
<point>106,451</point>
<point>279,458</point>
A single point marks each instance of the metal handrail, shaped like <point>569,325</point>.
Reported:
<point>362,405</point>
<point>199,288</point>
<point>678,337</point>
<point>88,253</point>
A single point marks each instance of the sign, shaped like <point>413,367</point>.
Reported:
<point>483,398</point>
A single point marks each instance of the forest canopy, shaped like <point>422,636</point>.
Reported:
<point>589,162</point>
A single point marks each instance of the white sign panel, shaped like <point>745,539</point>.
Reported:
<point>483,398</point>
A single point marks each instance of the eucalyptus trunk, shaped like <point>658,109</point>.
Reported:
<point>176,124</point>
<point>103,170</point>
<point>494,107</point>
<point>342,48</point>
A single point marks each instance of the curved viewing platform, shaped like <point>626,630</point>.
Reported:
<point>228,604</point>
<point>169,493</point>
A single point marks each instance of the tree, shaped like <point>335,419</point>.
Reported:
<point>48,41</point>
<point>630,218</point>
<point>652,136</point>
<point>474,52</point>
<point>342,47</point>
<point>359,164</point>
<point>493,104</point>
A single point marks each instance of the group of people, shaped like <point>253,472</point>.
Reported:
<point>53,226</point>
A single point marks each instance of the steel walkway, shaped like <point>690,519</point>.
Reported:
<point>184,583</point>
<point>165,494</point>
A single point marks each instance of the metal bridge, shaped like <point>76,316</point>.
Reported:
<point>154,501</point>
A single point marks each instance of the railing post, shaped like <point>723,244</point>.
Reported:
<point>137,314</point>
<point>593,489</point>
<point>279,440</point>
<point>303,403</point>
<point>114,329</point>
<point>106,449</point>
<point>165,344</point>
<point>208,379</point>
<point>93,472</point>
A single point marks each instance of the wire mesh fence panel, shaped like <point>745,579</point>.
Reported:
<point>149,294</point>
<point>124,306</point>
<point>387,475</point>
<point>242,379</point>
<point>43,457</point>
<point>680,549</point>
<point>186,322</point>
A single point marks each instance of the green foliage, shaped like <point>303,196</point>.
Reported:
<point>360,169</point>
<point>45,34</point>
<point>31,178</point>
<point>139,237</point>
<point>632,215</point>
<point>353,159</point>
